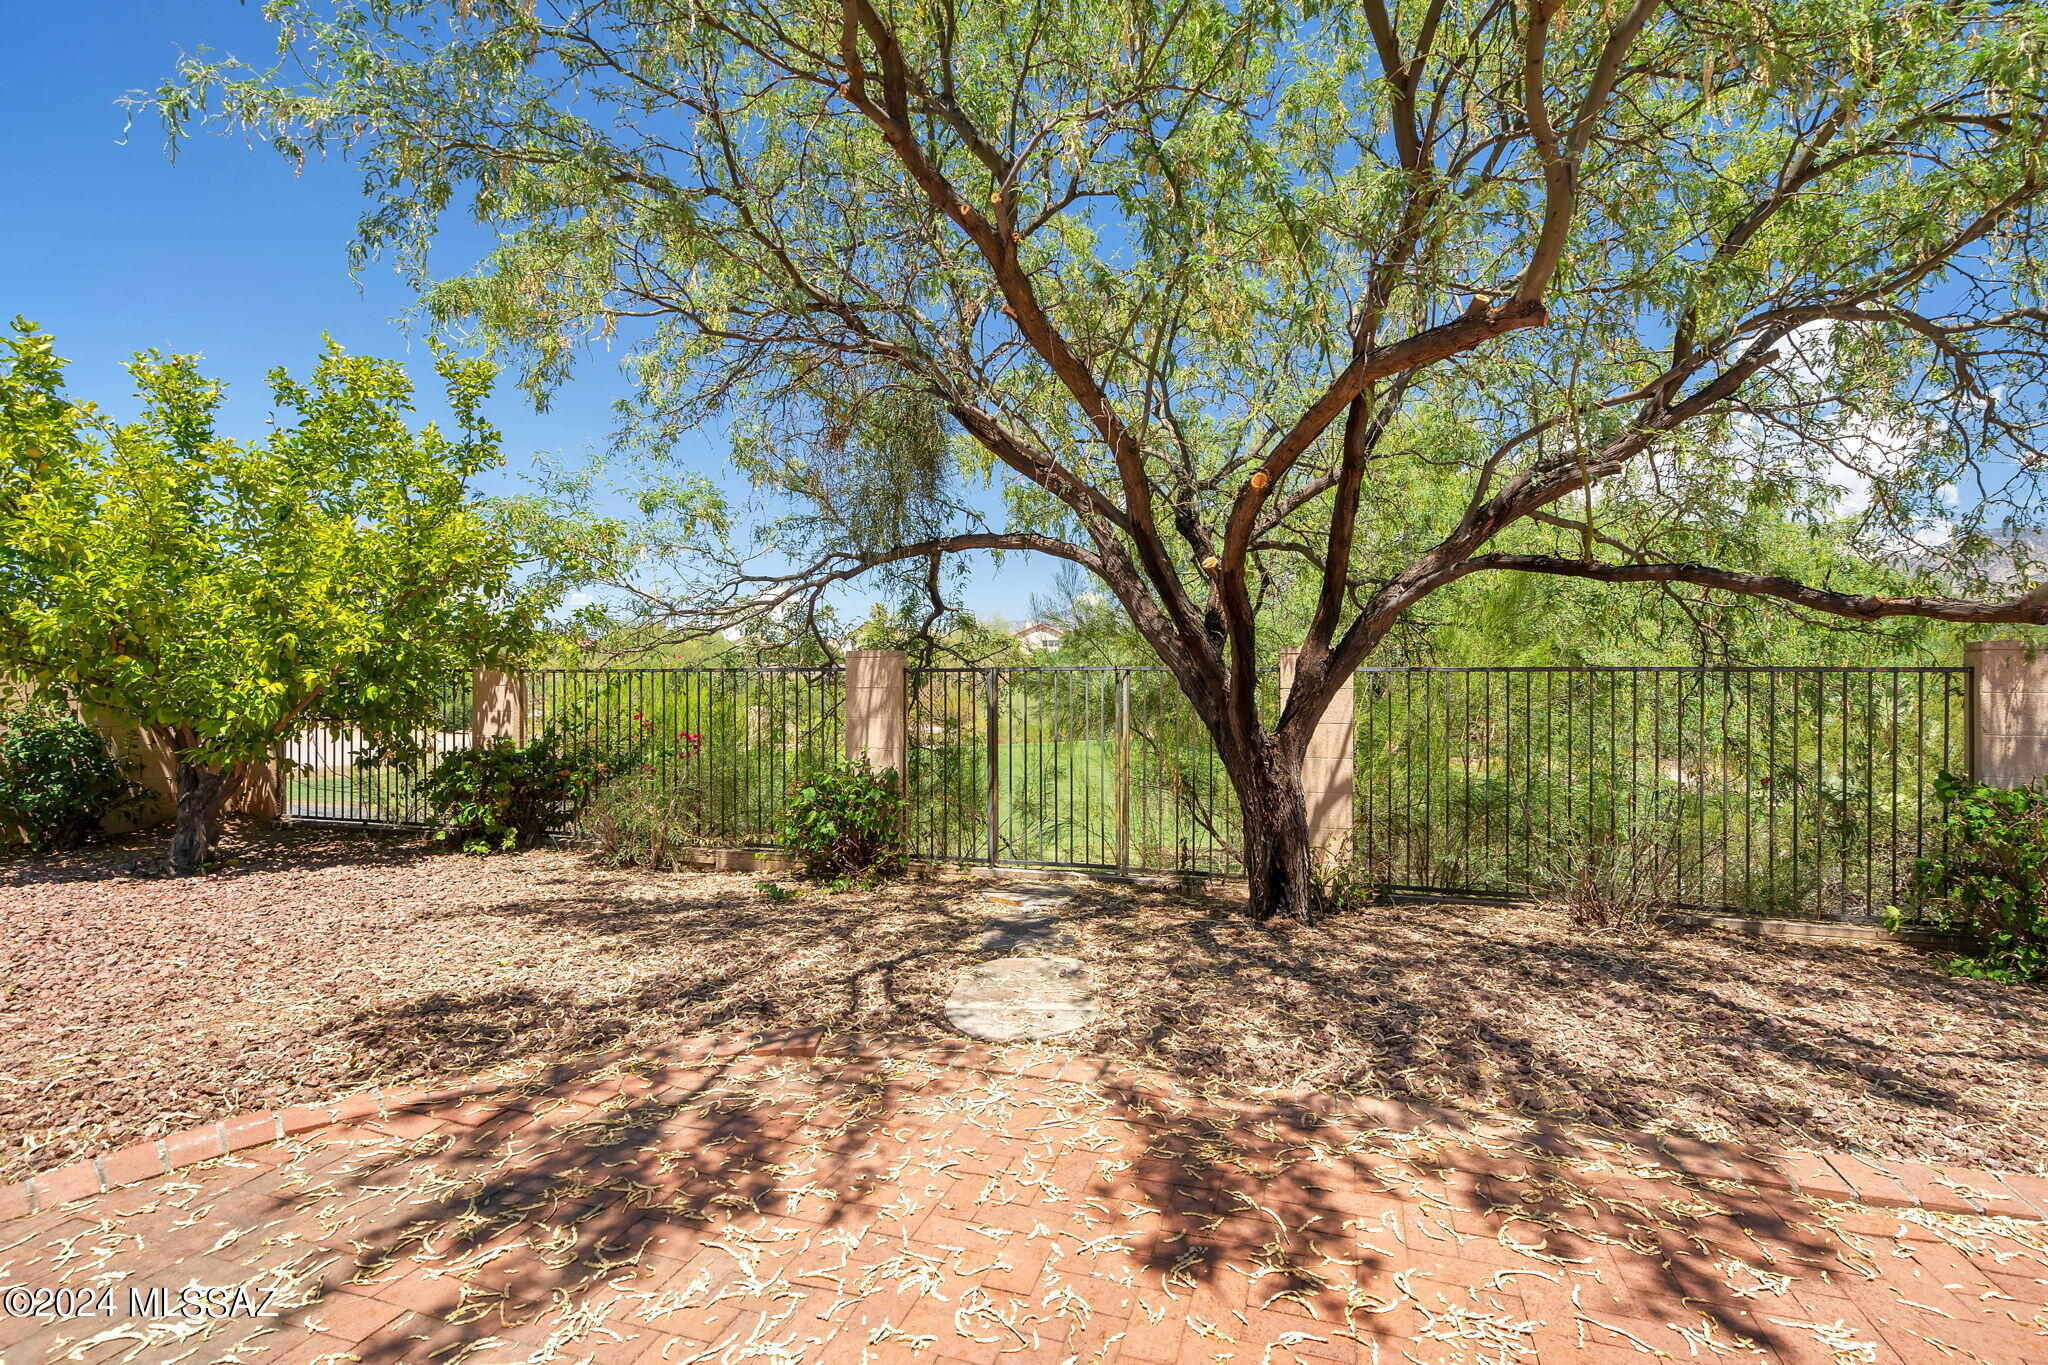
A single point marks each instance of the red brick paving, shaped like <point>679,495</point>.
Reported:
<point>862,1203</point>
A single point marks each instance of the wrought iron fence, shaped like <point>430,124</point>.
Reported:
<point>1104,768</point>
<point>1800,791</point>
<point>334,775</point>
<point>1783,791</point>
<point>1787,791</point>
<point>725,743</point>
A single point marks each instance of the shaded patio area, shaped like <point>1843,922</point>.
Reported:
<point>798,1197</point>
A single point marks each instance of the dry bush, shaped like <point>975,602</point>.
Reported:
<point>638,822</point>
<point>1614,883</point>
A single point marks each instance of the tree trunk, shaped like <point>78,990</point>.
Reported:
<point>1279,859</point>
<point>200,793</point>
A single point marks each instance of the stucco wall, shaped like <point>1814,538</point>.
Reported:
<point>151,766</point>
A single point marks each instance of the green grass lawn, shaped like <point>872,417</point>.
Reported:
<point>347,793</point>
<point>1056,803</point>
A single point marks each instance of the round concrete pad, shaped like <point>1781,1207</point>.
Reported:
<point>1019,999</point>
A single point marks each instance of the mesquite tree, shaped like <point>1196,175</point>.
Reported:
<point>1205,290</point>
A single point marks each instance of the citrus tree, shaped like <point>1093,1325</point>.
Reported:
<point>227,594</point>
<point>1189,295</point>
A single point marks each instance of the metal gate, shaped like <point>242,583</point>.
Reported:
<point>332,775</point>
<point>1091,768</point>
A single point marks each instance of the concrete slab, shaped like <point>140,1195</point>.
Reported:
<point>1022,999</point>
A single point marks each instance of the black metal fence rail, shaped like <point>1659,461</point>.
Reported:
<point>1785,791</point>
<point>1782,791</point>
<point>335,776</point>
<point>723,744</point>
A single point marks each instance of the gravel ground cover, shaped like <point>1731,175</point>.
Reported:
<point>320,962</point>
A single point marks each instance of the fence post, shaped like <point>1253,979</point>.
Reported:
<point>1326,776</point>
<point>991,730</point>
<point>497,707</point>
<point>1123,770</point>
<point>257,796</point>
<point>2009,705</point>
<point>878,709</point>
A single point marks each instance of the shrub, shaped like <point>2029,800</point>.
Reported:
<point>507,796</point>
<point>1989,882</point>
<point>845,821</point>
<point>1617,883</point>
<point>58,779</point>
<point>639,821</point>
<point>1348,879</point>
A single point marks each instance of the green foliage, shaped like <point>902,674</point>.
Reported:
<point>1484,619</point>
<point>642,820</point>
<point>1828,182</point>
<point>506,795</point>
<point>1992,879</point>
<point>226,594</point>
<point>845,821</point>
<point>776,892</point>
<point>58,779</point>
<point>1349,881</point>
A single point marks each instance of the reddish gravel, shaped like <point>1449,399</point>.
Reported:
<point>320,963</point>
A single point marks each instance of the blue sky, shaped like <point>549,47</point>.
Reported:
<point>112,248</point>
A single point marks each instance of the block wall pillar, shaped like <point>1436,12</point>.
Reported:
<point>2011,711</point>
<point>1326,776</point>
<point>497,707</point>
<point>877,708</point>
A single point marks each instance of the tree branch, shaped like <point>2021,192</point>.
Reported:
<point>2030,609</point>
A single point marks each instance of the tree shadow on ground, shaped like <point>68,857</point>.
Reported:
<point>735,961</point>
<point>1506,1011</point>
<point>1492,1011</point>
<point>245,850</point>
<point>1486,1009</point>
<point>1489,1010</point>
<point>840,1204</point>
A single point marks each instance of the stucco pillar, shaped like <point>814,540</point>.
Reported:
<point>877,708</point>
<point>149,764</point>
<point>497,707</point>
<point>2011,702</point>
<point>1326,779</point>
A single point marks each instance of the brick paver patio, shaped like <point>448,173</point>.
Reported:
<point>797,1199</point>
